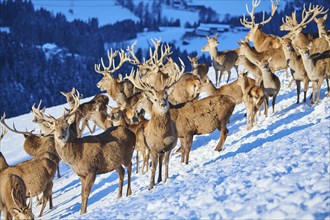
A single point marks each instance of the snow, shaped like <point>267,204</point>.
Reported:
<point>277,170</point>
<point>107,12</point>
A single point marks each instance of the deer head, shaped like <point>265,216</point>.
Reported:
<point>24,212</point>
<point>212,42</point>
<point>252,24</point>
<point>108,81</point>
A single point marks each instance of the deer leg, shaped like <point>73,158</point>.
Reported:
<point>306,81</point>
<point>328,94</point>
<point>298,90</point>
<point>46,196</point>
<point>187,146</point>
<point>166,162</point>
<point>121,173</point>
<point>87,183</point>
<point>147,152</point>
<point>154,161</point>
<point>266,105</point>
<point>223,134</point>
<point>216,76</point>
<point>314,92</point>
<point>273,102</point>
<point>183,149</point>
<point>319,85</point>
<point>160,166</point>
<point>229,73</point>
<point>137,162</point>
<point>129,175</point>
<point>58,171</point>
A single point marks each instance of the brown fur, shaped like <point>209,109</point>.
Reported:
<point>92,155</point>
<point>253,97</point>
<point>37,174</point>
<point>250,68</point>
<point>202,117</point>
<point>298,70</point>
<point>200,70</point>
<point>318,69</point>
<point>13,198</point>
<point>231,89</point>
<point>186,89</point>
<point>221,61</point>
<point>278,61</point>
<point>270,82</point>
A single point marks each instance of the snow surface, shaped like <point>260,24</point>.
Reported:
<point>107,12</point>
<point>278,170</point>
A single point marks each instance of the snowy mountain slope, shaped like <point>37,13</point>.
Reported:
<point>107,12</point>
<point>279,169</point>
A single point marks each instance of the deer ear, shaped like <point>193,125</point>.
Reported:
<point>63,93</point>
<point>189,58</point>
<point>71,119</point>
<point>216,36</point>
<point>207,37</point>
<point>325,16</point>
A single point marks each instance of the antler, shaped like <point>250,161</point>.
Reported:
<point>14,129</point>
<point>3,132</point>
<point>244,21</point>
<point>256,3</point>
<point>313,10</point>
<point>274,8</point>
<point>137,82</point>
<point>111,56</point>
<point>40,114</point>
<point>12,196</point>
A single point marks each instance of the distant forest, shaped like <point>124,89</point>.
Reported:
<point>28,74</point>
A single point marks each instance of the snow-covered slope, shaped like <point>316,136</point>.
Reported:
<point>107,12</point>
<point>278,170</point>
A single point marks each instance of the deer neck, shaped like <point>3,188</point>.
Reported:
<point>258,38</point>
<point>321,30</point>
<point>194,68</point>
<point>214,53</point>
<point>308,64</point>
<point>3,162</point>
<point>244,85</point>
<point>267,78</point>
<point>68,150</point>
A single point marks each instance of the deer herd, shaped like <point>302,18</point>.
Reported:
<point>158,104</point>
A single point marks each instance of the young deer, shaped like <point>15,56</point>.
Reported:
<point>278,61</point>
<point>253,97</point>
<point>317,67</point>
<point>92,155</point>
<point>295,62</point>
<point>221,60</point>
<point>200,70</point>
<point>86,109</point>
<point>270,82</point>
<point>250,68</point>
<point>321,25</point>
